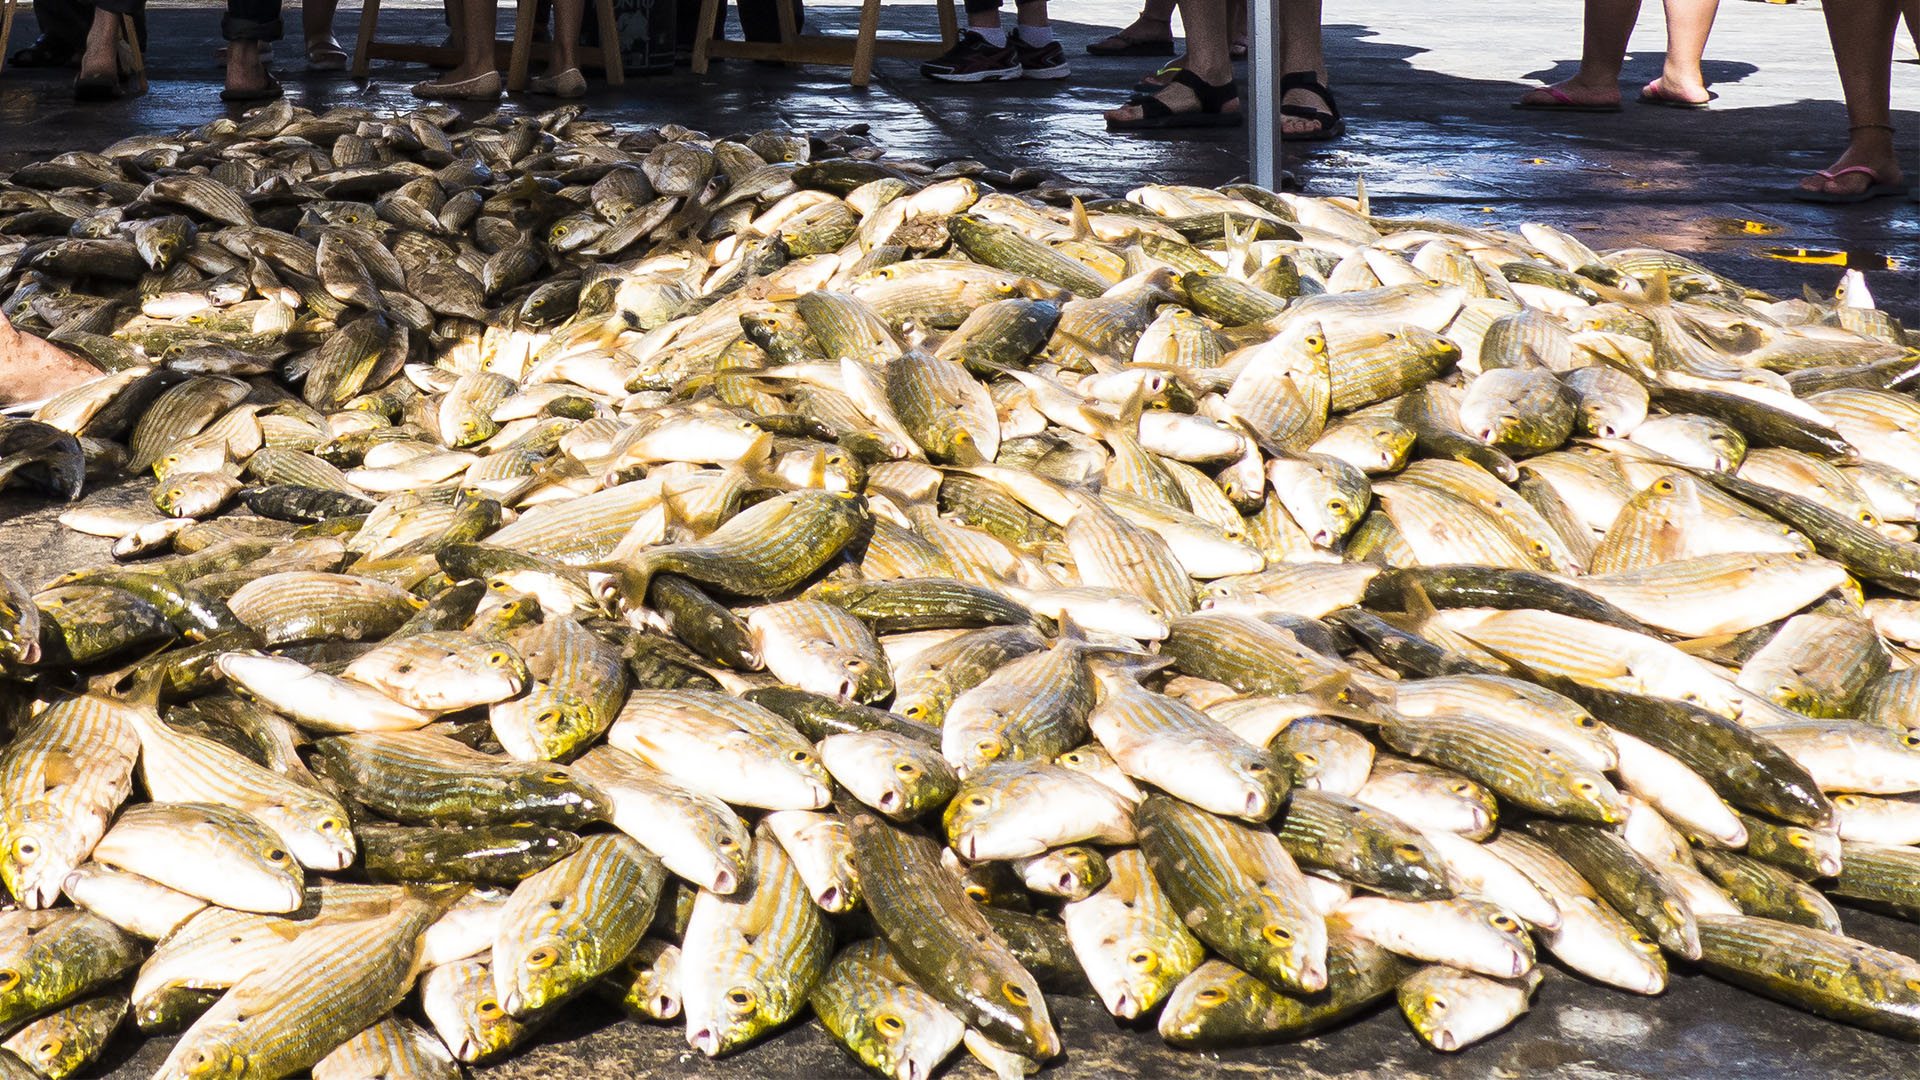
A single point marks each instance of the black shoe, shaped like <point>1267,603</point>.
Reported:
<point>1047,61</point>
<point>974,60</point>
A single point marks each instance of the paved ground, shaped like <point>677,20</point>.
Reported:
<point>1428,87</point>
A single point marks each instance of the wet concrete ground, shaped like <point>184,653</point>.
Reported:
<point>1427,88</point>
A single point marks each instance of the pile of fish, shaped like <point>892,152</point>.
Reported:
<point>724,577</point>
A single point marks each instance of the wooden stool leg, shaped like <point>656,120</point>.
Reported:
<point>369,17</point>
<point>132,31</point>
<point>949,24</point>
<point>522,45</point>
<point>6,30</point>
<point>610,58</point>
<point>863,45</point>
<point>703,35</point>
<point>788,31</point>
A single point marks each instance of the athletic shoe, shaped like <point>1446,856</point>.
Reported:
<point>1047,61</point>
<point>973,60</point>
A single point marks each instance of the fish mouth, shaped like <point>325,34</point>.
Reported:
<point>888,802</point>
<point>1444,1040</point>
<point>706,1040</point>
<point>725,882</point>
<point>830,897</point>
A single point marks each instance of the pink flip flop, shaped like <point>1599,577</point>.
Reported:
<point>1876,188</point>
<point>1563,102</point>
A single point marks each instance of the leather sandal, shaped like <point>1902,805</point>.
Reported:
<point>1157,115</point>
<point>1332,125</point>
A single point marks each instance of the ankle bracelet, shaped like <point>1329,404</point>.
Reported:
<point>1866,127</point>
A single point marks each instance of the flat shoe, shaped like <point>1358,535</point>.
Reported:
<point>485,87</point>
<point>98,88</point>
<point>568,84</point>
<point>259,93</point>
<point>326,57</point>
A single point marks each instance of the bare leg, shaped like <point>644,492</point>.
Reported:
<point>1862,33</point>
<point>1208,38</point>
<point>244,69</point>
<point>1609,23</point>
<point>1237,21</point>
<point>567,16</point>
<point>1033,13</point>
<point>99,58</point>
<point>1688,22</point>
<point>1300,51</point>
<point>316,23</point>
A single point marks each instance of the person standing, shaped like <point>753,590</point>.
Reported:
<point>1862,35</point>
<point>987,52</point>
<point>1609,25</point>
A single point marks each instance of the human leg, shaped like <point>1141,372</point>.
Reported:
<point>563,77</point>
<point>1862,35</point>
<point>1040,55</point>
<point>1308,111</point>
<point>475,76</point>
<point>1149,34</point>
<point>1202,91</point>
<point>1688,23</point>
<point>1608,26</point>
<point>248,26</point>
<point>316,25</point>
<point>983,53</point>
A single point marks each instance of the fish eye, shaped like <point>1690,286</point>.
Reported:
<point>1314,342</point>
<point>1143,959</point>
<point>1663,486</point>
<point>890,1023</point>
<point>855,664</point>
<point>331,825</point>
<point>488,1008</point>
<point>557,778</point>
<point>977,893</point>
<point>1407,851</point>
<point>1436,1003</point>
<point>175,493</point>
<point>51,1047</point>
<point>800,756</point>
<point>741,998</point>
<point>27,848</point>
<point>1910,740</point>
<point>978,801</point>
<point>549,716</point>
<point>727,842</point>
<point>987,748</point>
<point>1307,758</point>
<point>907,768</point>
<point>351,219</point>
<point>497,659</point>
<point>543,957</point>
<point>559,230</point>
<point>1540,547</point>
<point>1459,787</point>
<point>1279,935</point>
<point>9,980</point>
<point>277,856</point>
<point>1338,506</point>
<point>914,712</point>
<point>1014,993</point>
<point>1502,922</point>
<point>1799,840</point>
<point>1585,787</point>
<point>1212,995</point>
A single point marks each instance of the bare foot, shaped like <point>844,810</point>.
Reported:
<point>34,369</point>
<point>1297,126</point>
<point>1671,90</point>
<point>1143,31</point>
<point>1885,166</point>
<point>1178,97</point>
<point>1575,93</point>
<point>101,59</point>
<point>245,73</point>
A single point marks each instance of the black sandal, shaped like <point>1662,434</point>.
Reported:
<point>1156,115</point>
<point>45,52</point>
<point>1332,126</point>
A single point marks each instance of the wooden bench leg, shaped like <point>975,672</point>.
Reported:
<point>369,17</point>
<point>6,29</point>
<point>703,35</point>
<point>788,31</point>
<point>949,24</point>
<point>610,58</point>
<point>132,31</point>
<point>522,44</point>
<point>863,45</point>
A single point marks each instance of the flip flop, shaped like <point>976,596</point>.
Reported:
<point>45,52</point>
<point>1652,94</point>
<point>1876,188</point>
<point>264,93</point>
<point>1131,46</point>
<point>1562,102</point>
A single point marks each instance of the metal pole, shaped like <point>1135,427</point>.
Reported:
<point>1261,102</point>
